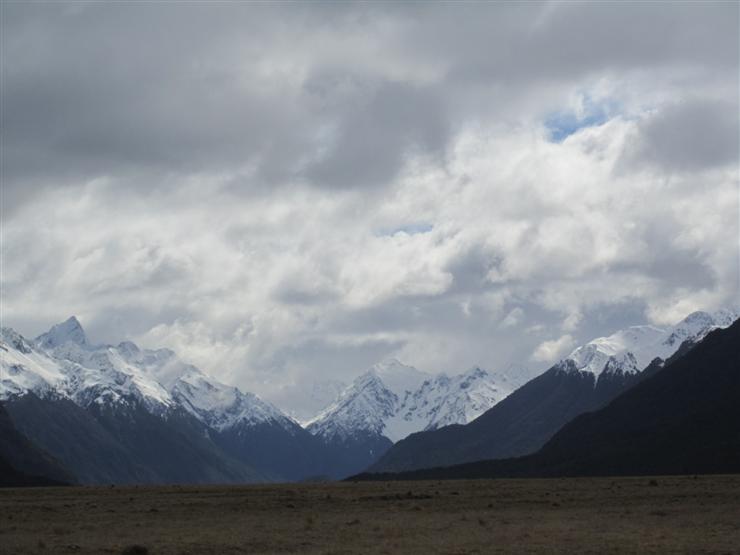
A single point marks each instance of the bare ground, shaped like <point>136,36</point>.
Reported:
<point>621,515</point>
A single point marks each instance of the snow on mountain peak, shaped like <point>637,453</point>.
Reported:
<point>69,331</point>
<point>15,340</point>
<point>222,406</point>
<point>698,324</point>
<point>469,395</point>
<point>63,362</point>
<point>128,349</point>
<point>416,401</point>
<point>645,343</point>
<point>363,407</point>
<point>621,363</point>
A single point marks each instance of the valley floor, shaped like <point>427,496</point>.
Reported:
<point>621,515</point>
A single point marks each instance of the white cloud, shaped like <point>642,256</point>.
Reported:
<point>550,351</point>
<point>211,230</point>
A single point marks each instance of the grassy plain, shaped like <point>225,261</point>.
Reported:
<point>620,515</point>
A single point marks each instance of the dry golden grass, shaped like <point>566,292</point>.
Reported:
<point>624,515</point>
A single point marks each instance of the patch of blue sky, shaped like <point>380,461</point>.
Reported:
<point>563,124</point>
<point>409,229</point>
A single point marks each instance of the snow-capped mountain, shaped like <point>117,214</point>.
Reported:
<point>136,407</point>
<point>64,362</point>
<point>445,400</point>
<point>399,378</point>
<point>120,413</point>
<point>364,406</point>
<point>393,400</point>
<point>69,331</point>
<point>589,379</point>
<point>632,349</point>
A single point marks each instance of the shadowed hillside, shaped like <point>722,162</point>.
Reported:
<point>684,419</point>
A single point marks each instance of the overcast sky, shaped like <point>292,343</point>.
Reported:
<point>290,192</point>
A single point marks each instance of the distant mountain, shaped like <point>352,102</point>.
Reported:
<point>24,464</point>
<point>69,331</point>
<point>106,419</point>
<point>392,400</point>
<point>125,414</point>
<point>589,378</point>
<point>683,419</point>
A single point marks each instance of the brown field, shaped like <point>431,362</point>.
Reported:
<point>623,515</point>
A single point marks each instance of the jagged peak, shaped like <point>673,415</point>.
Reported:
<point>69,331</point>
<point>644,343</point>
<point>567,365</point>
<point>15,340</point>
<point>697,324</point>
<point>720,317</point>
<point>367,381</point>
<point>128,349</point>
<point>622,362</point>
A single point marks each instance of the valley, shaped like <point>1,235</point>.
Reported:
<point>688,514</point>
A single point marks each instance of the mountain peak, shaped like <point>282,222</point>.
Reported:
<point>15,340</point>
<point>397,376</point>
<point>697,324</point>
<point>69,331</point>
<point>646,342</point>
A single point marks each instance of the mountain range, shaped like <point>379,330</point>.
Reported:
<point>392,400</point>
<point>683,418</point>
<point>586,380</point>
<point>122,414</point>
<point>73,411</point>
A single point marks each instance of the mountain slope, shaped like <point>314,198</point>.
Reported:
<point>125,444</point>
<point>24,464</point>
<point>352,427</point>
<point>392,400</point>
<point>243,425</point>
<point>191,427</point>
<point>523,422</point>
<point>683,419</point>
<point>130,415</point>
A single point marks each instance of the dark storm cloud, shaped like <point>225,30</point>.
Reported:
<point>562,40</point>
<point>108,89</point>
<point>95,89</point>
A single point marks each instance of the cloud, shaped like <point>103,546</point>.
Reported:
<point>549,351</point>
<point>371,141</point>
<point>513,318</point>
<point>285,194</point>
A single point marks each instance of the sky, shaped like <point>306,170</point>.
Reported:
<point>288,193</point>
